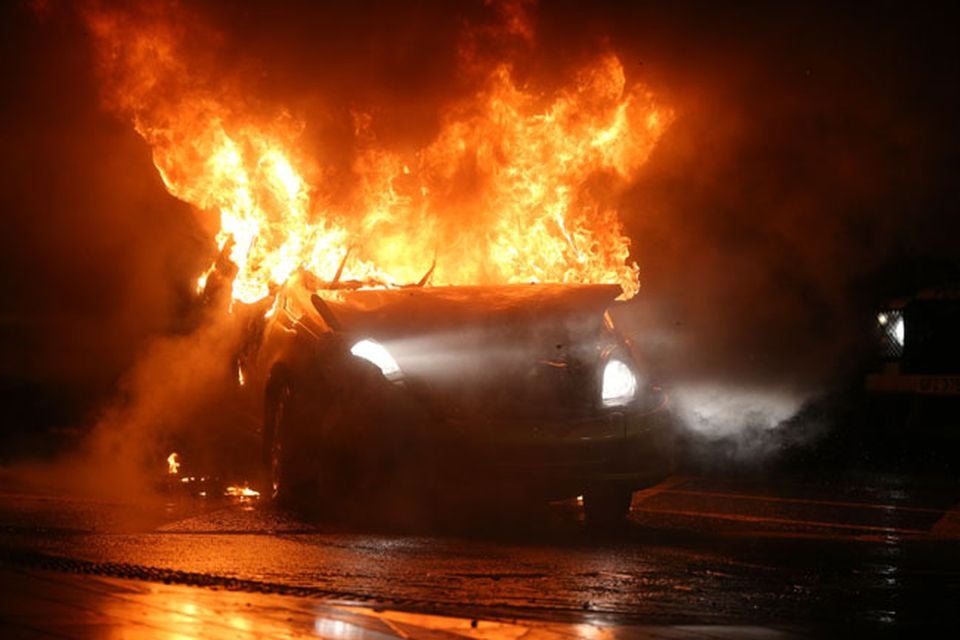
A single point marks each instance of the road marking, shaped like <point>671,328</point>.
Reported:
<point>666,485</point>
<point>948,526</point>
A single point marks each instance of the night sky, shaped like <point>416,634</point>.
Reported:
<point>811,170</point>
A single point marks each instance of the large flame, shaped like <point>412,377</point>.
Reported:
<point>516,187</point>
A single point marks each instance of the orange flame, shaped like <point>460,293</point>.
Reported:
<point>516,187</point>
<point>173,464</point>
<point>243,492</point>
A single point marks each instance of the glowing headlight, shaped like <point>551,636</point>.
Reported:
<point>898,330</point>
<point>619,384</point>
<point>374,352</point>
<point>893,331</point>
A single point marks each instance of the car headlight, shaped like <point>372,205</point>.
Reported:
<point>619,383</point>
<point>892,332</point>
<point>374,352</point>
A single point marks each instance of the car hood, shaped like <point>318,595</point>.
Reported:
<point>394,313</point>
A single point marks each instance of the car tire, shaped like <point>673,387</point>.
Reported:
<point>288,473</point>
<point>607,505</point>
<point>331,446</point>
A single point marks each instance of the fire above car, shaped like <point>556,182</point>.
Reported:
<point>523,390</point>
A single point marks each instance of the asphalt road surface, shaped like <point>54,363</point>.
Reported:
<point>806,555</point>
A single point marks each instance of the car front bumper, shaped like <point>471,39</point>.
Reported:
<point>563,458</point>
<point>550,458</point>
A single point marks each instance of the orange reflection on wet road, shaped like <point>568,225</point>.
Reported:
<point>68,606</point>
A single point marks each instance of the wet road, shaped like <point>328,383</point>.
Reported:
<point>882,551</point>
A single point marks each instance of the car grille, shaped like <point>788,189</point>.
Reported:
<point>533,390</point>
<point>545,389</point>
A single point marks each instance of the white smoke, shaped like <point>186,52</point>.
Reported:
<point>724,423</point>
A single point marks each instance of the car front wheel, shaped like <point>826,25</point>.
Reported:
<point>286,468</point>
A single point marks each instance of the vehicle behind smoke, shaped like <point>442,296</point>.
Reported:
<point>916,382</point>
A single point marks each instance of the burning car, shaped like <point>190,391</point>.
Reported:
<point>523,390</point>
<point>356,378</point>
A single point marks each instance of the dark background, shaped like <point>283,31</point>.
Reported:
<point>810,172</point>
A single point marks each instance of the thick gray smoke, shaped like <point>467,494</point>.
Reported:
<point>178,390</point>
<point>805,175</point>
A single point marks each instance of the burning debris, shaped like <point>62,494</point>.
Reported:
<point>202,486</point>
<point>173,464</point>
<point>242,492</point>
